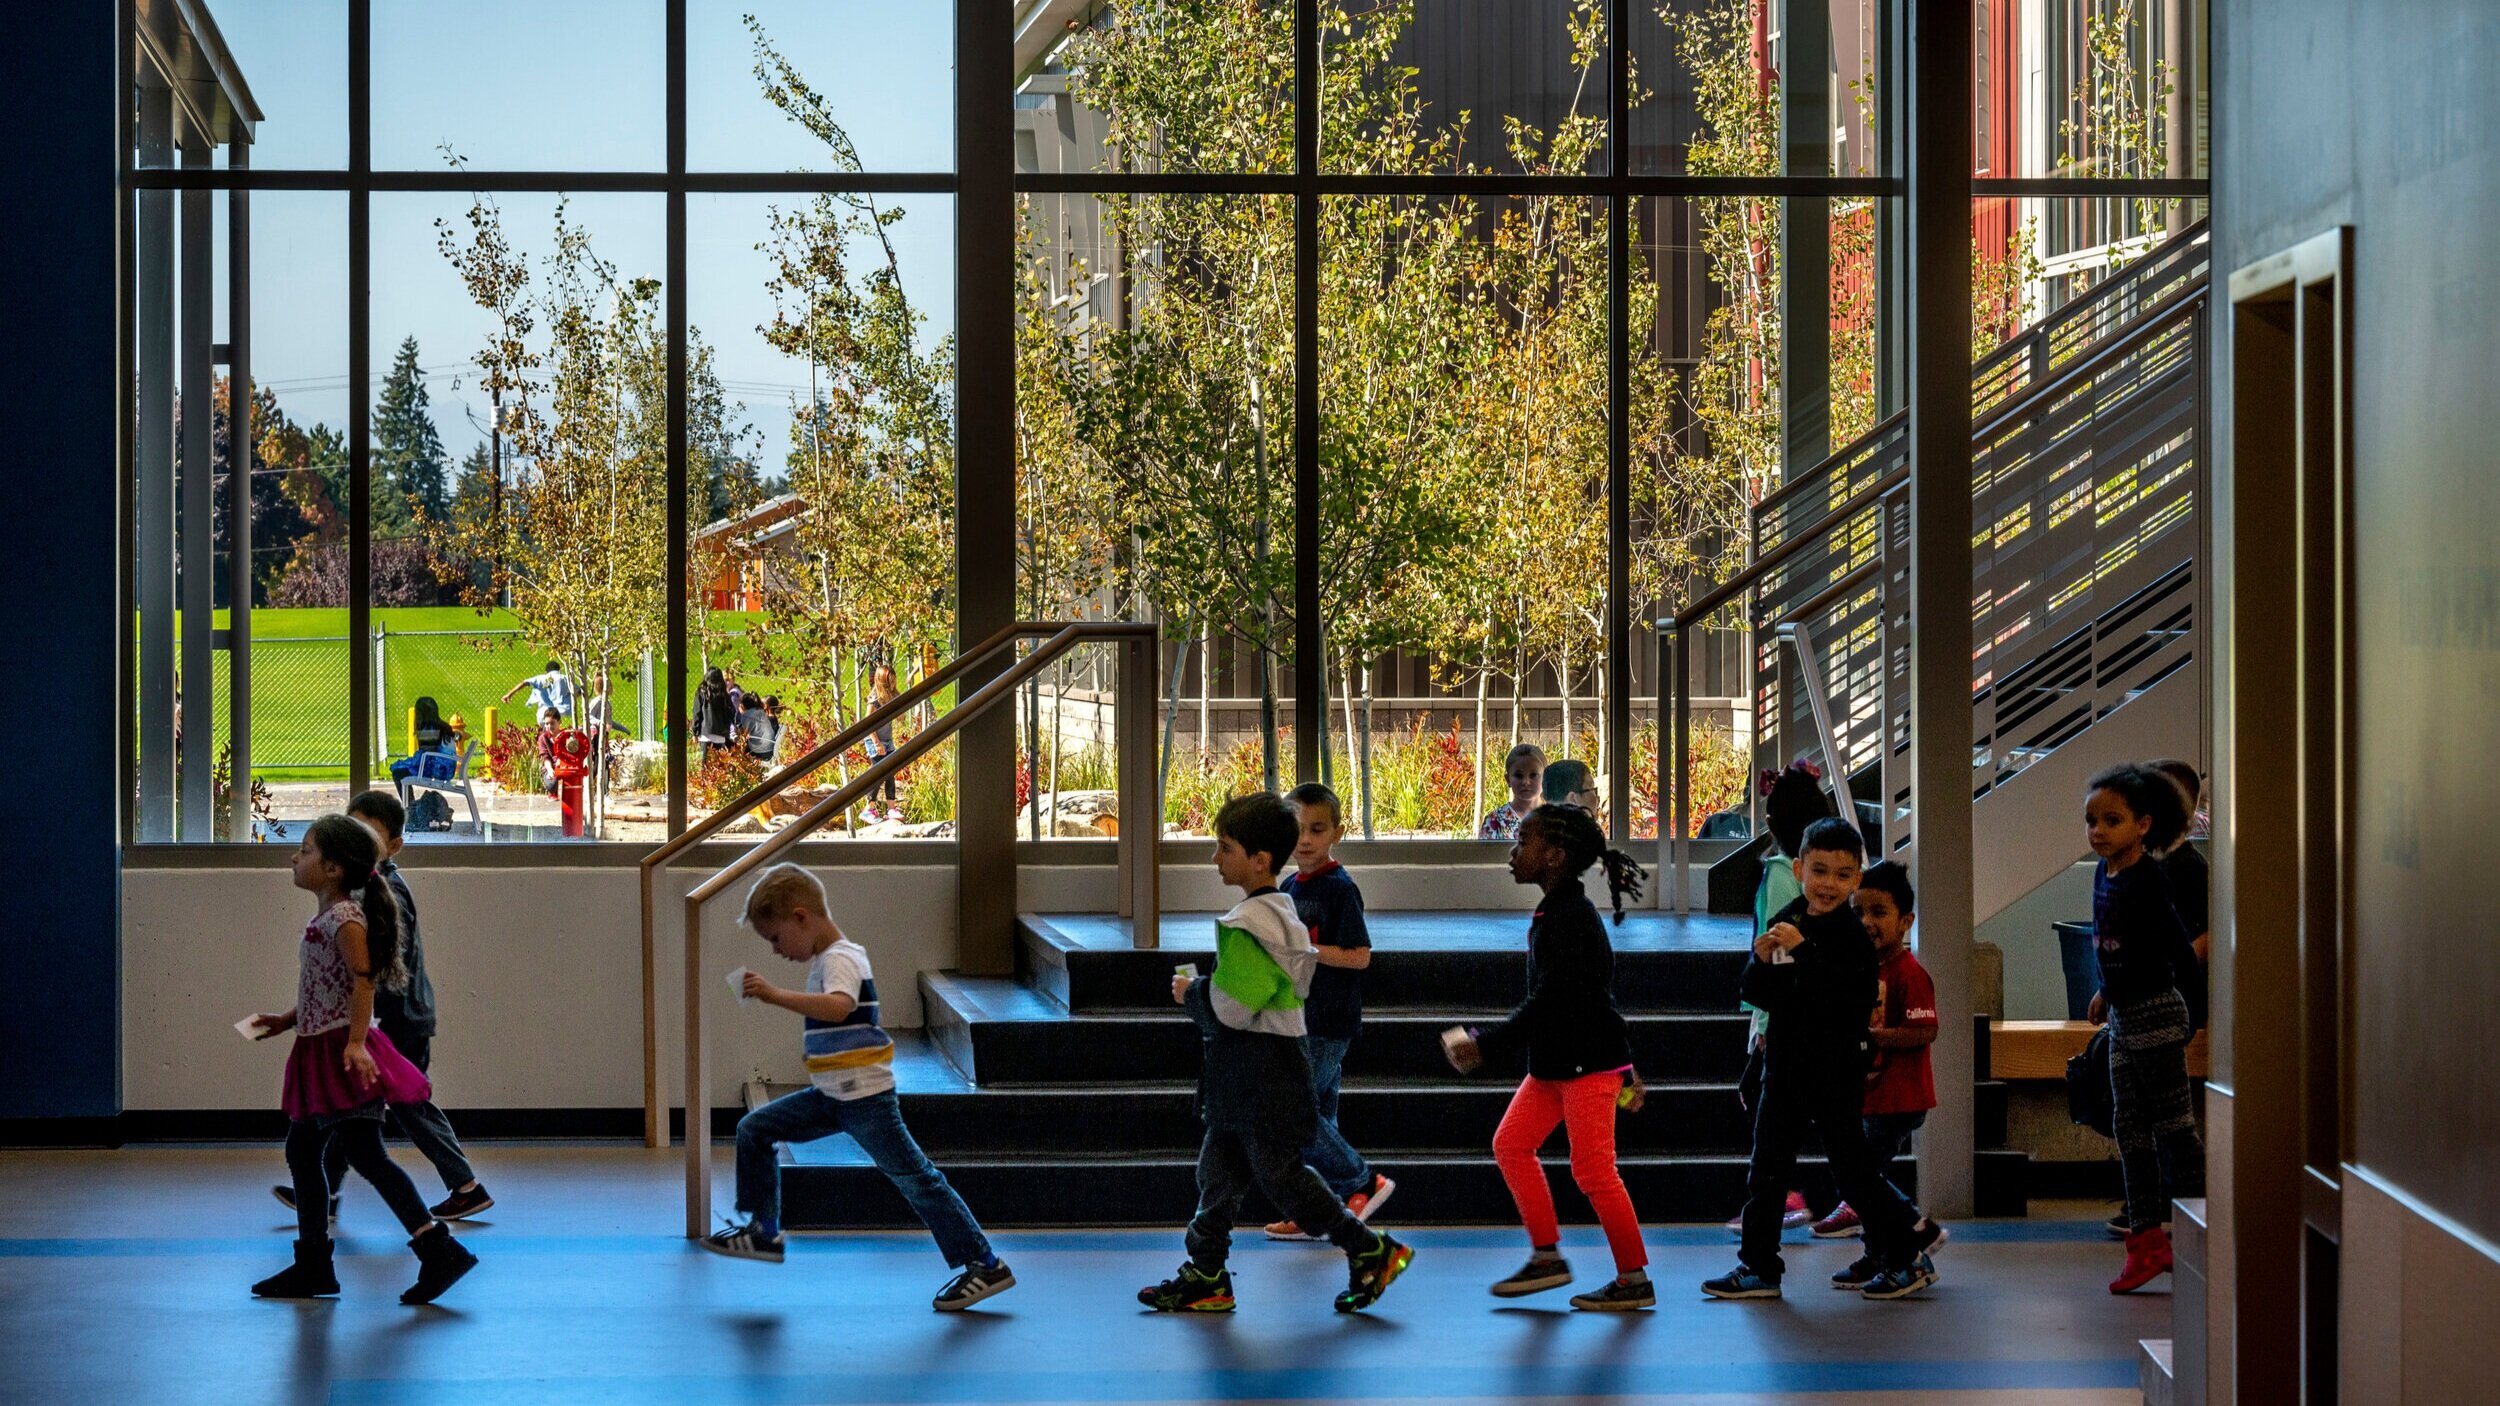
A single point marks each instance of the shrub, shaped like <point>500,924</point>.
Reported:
<point>725,774</point>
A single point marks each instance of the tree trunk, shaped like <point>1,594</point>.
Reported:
<point>1206,687</point>
<point>1562,682</point>
<point>1360,779</point>
<point>1475,763</point>
<point>1171,716</point>
<point>1363,766</point>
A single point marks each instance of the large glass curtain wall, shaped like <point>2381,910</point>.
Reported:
<point>1403,362</point>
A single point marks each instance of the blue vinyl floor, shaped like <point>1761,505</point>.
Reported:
<point>124,1278</point>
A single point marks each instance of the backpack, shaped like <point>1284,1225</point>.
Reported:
<point>429,811</point>
<point>2088,1096</point>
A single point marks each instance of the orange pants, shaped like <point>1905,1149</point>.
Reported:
<point>1586,1106</point>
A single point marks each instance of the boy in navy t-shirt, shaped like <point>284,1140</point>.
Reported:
<point>1329,904</point>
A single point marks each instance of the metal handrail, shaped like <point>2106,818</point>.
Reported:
<point>1138,843</point>
<point>2127,340</point>
<point>2159,258</point>
<point>1883,428</point>
<point>654,1114</point>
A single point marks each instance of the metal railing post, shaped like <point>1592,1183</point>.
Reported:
<point>1141,820</point>
<point>698,1081</point>
<point>1677,677</point>
<point>1818,704</point>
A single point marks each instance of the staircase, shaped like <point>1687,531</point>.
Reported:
<point>1034,1092</point>
<point>2088,484</point>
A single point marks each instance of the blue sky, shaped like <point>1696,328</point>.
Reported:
<point>568,85</point>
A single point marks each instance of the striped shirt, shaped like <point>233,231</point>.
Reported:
<point>852,1057</point>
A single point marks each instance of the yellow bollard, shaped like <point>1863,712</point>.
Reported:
<point>490,729</point>
<point>412,731</point>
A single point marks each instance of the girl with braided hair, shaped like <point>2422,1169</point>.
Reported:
<point>1579,1054</point>
<point>342,1070</point>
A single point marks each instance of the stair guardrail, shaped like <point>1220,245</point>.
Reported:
<point>1139,875</point>
<point>2088,457</point>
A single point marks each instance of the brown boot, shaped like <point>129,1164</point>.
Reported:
<point>2148,1258</point>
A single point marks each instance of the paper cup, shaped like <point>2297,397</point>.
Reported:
<point>738,983</point>
<point>1186,971</point>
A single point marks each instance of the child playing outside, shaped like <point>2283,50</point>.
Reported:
<point>341,1071</point>
<point>1579,1059</point>
<point>1902,1085</point>
<point>1254,1082</point>
<point>406,1015</point>
<point>1814,974</point>
<point>1791,801</point>
<point>1524,769</point>
<point>1331,908</point>
<point>2131,812</point>
<point>881,691</point>
<point>850,1063</point>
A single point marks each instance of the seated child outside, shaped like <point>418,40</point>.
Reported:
<point>1901,1086</point>
<point>1254,1081</point>
<point>1813,972</point>
<point>850,1062</point>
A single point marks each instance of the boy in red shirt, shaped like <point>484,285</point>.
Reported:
<point>1901,1085</point>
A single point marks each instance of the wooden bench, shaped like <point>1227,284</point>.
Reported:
<point>2039,1049</point>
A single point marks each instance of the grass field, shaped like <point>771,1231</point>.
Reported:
<point>464,659</point>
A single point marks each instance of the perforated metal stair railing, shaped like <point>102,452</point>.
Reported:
<point>2088,475</point>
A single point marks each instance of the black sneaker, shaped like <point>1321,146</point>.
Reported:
<point>1371,1271</point>
<point>286,1198</point>
<point>1540,1273</point>
<point>745,1242</point>
<point>2118,1227</point>
<point>460,1205</point>
<point>1927,1235</point>
<point>1190,1291</point>
<point>1741,1283</point>
<point>1902,1281</point>
<point>1618,1297</point>
<point>976,1283</point>
<point>1859,1274</point>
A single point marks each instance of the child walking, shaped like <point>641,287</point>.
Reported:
<point>341,1070</point>
<point>1524,770</point>
<point>1814,974</point>
<point>2129,812</point>
<point>850,1063</point>
<point>406,1015</point>
<point>1579,1059</point>
<point>1331,907</point>
<point>1901,1086</point>
<point>1791,801</point>
<point>1254,1081</point>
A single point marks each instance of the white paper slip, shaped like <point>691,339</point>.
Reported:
<point>1186,971</point>
<point>248,1027</point>
<point>738,983</point>
<point>1451,1037</point>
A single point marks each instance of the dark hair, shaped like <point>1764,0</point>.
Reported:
<point>1314,793</point>
<point>2185,776</point>
<point>2151,795</point>
<point>382,808</point>
<point>1794,803</point>
<point>1261,823</point>
<point>429,713</point>
<point>555,666</point>
<point>346,842</point>
<point>1892,880</point>
<point>1567,777</point>
<point>1833,835</point>
<point>1574,831</point>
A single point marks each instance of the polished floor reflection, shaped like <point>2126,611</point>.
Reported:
<point>123,1279</point>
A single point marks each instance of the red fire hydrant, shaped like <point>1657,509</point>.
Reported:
<point>568,756</point>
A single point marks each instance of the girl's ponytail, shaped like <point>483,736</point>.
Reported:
<point>346,842</point>
<point>1574,831</point>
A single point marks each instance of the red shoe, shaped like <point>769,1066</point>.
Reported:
<point>2148,1258</point>
<point>1839,1225</point>
<point>1362,1204</point>
<point>1797,1213</point>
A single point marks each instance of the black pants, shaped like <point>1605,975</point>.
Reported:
<point>361,1141</point>
<point>1229,1164</point>
<point>423,1124</point>
<point>1793,1099</point>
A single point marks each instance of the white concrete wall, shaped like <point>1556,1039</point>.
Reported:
<point>538,971</point>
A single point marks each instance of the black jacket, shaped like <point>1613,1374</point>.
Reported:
<point>410,1011</point>
<point>1569,1024</point>
<point>1250,1082</point>
<point>1820,1001</point>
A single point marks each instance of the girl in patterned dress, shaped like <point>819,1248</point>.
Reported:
<point>343,1069</point>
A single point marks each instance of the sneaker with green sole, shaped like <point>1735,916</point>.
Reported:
<point>1191,1291</point>
<point>1371,1271</point>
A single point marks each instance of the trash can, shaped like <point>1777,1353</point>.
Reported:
<point>2082,962</point>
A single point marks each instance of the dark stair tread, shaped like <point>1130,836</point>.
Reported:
<point>1439,930</point>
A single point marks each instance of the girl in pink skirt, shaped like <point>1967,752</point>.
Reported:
<point>343,1069</point>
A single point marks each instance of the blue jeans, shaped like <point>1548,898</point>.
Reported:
<point>1335,1159</point>
<point>876,1122</point>
<point>1888,1135</point>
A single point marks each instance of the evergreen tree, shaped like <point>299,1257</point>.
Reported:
<point>408,460</point>
<point>473,499</point>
